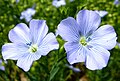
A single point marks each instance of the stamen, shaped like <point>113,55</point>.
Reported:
<point>83,41</point>
<point>33,48</point>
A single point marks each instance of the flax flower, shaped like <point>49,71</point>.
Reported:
<point>86,41</point>
<point>58,3</point>
<point>29,44</point>
<point>116,2</point>
<point>27,14</point>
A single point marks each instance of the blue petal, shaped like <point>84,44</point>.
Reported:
<point>38,30</point>
<point>36,56</point>
<point>49,43</point>
<point>97,58</point>
<point>19,34</point>
<point>116,2</point>
<point>68,29</point>
<point>28,19</point>
<point>25,62</point>
<point>105,36</point>
<point>13,51</point>
<point>2,68</point>
<point>75,52</point>
<point>89,21</point>
<point>102,13</point>
<point>30,11</point>
<point>58,3</point>
<point>27,14</point>
<point>17,1</point>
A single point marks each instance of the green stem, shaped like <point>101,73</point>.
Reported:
<point>61,58</point>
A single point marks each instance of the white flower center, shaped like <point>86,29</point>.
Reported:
<point>33,48</point>
<point>83,41</point>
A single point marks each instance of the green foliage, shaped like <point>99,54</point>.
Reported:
<point>52,67</point>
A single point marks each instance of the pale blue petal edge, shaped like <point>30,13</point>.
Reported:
<point>88,21</point>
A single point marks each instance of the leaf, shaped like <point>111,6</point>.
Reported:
<point>53,71</point>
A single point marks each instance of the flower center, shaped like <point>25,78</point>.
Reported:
<point>33,48</point>
<point>83,41</point>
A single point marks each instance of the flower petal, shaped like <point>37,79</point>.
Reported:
<point>68,29</point>
<point>58,3</point>
<point>36,55</point>
<point>13,51</point>
<point>25,62</point>
<point>97,58</point>
<point>27,14</point>
<point>89,21</point>
<point>38,29</point>
<point>2,68</point>
<point>19,34</point>
<point>116,2</point>
<point>49,43</point>
<point>105,36</point>
<point>101,13</point>
<point>75,52</point>
<point>30,11</point>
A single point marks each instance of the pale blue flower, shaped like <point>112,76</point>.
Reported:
<point>58,3</point>
<point>116,2</point>
<point>101,13</point>
<point>27,14</point>
<point>29,44</point>
<point>17,1</point>
<point>86,41</point>
<point>1,66</point>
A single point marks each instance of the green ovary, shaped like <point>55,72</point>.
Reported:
<point>33,48</point>
<point>83,41</point>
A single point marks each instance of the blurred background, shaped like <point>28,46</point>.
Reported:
<point>54,66</point>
